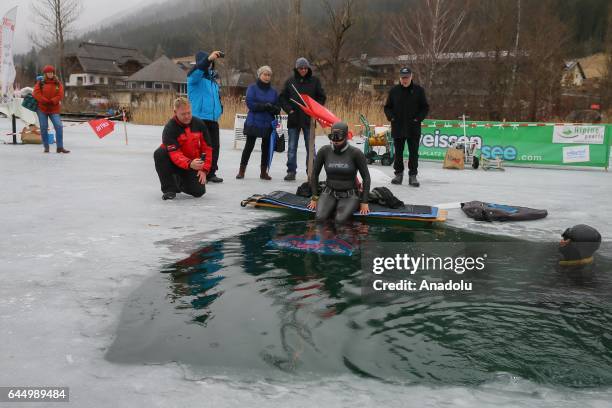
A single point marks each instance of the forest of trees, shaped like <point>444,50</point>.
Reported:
<point>529,40</point>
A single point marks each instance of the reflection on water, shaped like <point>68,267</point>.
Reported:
<point>285,297</point>
<point>194,281</point>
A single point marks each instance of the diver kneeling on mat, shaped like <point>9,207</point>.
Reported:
<point>342,161</point>
<point>578,245</point>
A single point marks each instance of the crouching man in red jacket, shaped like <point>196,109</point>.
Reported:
<point>184,159</point>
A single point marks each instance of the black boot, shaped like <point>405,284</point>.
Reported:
<point>241,172</point>
<point>170,195</point>
<point>214,179</point>
<point>412,180</point>
<point>264,173</point>
<point>398,179</point>
<point>290,176</point>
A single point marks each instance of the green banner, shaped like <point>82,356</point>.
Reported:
<point>521,143</point>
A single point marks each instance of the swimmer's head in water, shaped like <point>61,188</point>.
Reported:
<point>339,136</point>
<point>579,242</point>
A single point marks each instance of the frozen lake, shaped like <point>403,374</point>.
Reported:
<point>82,232</point>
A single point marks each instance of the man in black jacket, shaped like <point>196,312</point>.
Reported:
<point>406,108</point>
<point>305,83</point>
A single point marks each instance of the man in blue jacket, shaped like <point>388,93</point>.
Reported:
<point>203,93</point>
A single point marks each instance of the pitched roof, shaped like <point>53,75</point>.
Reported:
<point>570,65</point>
<point>160,70</point>
<point>447,56</point>
<point>111,52</point>
<point>184,60</point>
<point>383,61</point>
<point>106,59</point>
<point>102,66</point>
<point>238,79</point>
<point>594,66</point>
<point>360,64</point>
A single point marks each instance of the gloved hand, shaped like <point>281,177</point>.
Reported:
<point>273,109</point>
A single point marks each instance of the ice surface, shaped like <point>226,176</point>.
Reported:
<point>81,231</point>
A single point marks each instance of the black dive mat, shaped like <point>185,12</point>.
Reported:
<point>291,201</point>
<point>481,211</point>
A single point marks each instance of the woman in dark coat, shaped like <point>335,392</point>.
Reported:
<point>262,101</point>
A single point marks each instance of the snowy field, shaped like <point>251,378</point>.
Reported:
<point>81,231</point>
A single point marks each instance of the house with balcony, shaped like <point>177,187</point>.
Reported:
<point>94,65</point>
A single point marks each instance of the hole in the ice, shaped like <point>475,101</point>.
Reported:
<point>285,297</point>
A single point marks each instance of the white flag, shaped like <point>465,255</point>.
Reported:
<point>7,65</point>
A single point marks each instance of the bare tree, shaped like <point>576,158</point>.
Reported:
<point>159,51</point>
<point>55,19</point>
<point>218,33</point>
<point>274,44</point>
<point>492,25</point>
<point>544,44</point>
<point>517,37</point>
<point>430,31</point>
<point>340,20</point>
<point>297,21</point>
<point>605,88</point>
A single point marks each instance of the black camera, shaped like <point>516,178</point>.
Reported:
<point>221,54</point>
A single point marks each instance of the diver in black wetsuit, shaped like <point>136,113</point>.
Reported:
<point>578,245</point>
<point>342,161</point>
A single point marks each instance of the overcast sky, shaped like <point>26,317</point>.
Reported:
<point>94,11</point>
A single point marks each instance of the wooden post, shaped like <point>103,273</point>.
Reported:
<point>124,127</point>
<point>311,148</point>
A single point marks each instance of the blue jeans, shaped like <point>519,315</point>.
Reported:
<point>43,118</point>
<point>294,136</point>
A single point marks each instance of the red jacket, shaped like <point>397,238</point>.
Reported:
<point>186,143</point>
<point>48,93</point>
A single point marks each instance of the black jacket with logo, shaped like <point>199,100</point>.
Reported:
<point>406,108</point>
<point>309,85</point>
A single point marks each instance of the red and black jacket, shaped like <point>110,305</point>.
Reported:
<point>186,143</point>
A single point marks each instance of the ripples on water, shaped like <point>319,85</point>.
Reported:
<point>248,303</point>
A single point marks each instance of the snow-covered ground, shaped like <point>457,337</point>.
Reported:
<point>81,231</point>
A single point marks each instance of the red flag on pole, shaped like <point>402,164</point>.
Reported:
<point>102,127</point>
<point>315,110</point>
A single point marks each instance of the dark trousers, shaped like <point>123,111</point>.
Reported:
<point>173,178</point>
<point>213,131</point>
<point>412,137</point>
<point>250,144</point>
<point>294,137</point>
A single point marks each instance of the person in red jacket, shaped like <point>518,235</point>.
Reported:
<point>49,93</point>
<point>185,157</point>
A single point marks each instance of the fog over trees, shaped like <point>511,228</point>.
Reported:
<point>526,42</point>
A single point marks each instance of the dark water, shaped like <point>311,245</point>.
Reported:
<point>244,303</point>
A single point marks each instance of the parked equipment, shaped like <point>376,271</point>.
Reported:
<point>469,150</point>
<point>492,164</point>
<point>374,142</point>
